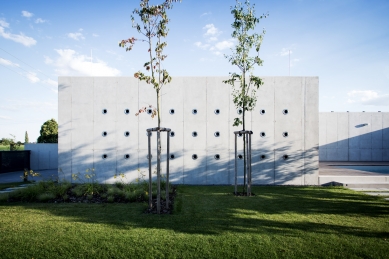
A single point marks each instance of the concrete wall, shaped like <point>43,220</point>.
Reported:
<point>43,155</point>
<point>354,136</point>
<point>82,123</point>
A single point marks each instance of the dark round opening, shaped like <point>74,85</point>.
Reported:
<point>104,133</point>
<point>194,156</point>
<point>262,112</point>
<point>240,111</point>
<point>194,134</point>
<point>217,134</point>
<point>172,156</point>
<point>126,111</point>
<point>126,156</point>
<point>285,111</point>
<point>217,111</point>
<point>217,156</point>
<point>104,156</point>
<point>263,156</point>
<point>149,111</point>
<point>127,133</point>
<point>240,156</point>
<point>194,111</point>
<point>262,134</point>
<point>171,111</point>
<point>105,111</point>
<point>285,157</point>
<point>172,134</point>
<point>285,134</point>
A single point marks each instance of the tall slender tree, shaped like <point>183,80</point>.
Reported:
<point>245,83</point>
<point>153,28</point>
<point>26,137</point>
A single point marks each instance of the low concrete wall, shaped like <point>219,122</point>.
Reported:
<point>354,136</point>
<point>43,155</point>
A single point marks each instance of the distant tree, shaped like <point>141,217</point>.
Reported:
<point>26,137</point>
<point>5,141</point>
<point>14,145</point>
<point>49,132</point>
<point>245,83</point>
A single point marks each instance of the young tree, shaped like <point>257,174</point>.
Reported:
<point>153,27</point>
<point>49,132</point>
<point>26,137</point>
<point>245,83</point>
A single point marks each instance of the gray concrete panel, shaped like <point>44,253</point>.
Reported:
<point>217,166</point>
<point>195,135</point>
<point>354,154</point>
<point>82,90</point>
<point>263,166</point>
<point>64,164</point>
<point>376,135</point>
<point>365,154</point>
<point>122,141</point>
<point>289,171</point>
<point>127,164</point>
<point>64,112</point>
<point>217,135</point>
<point>311,167</point>
<point>311,96</point>
<point>105,90</point>
<point>195,92</point>
<point>105,168</point>
<point>342,130</point>
<point>176,166</point>
<point>82,136</point>
<point>195,171</point>
<point>82,159</point>
<point>385,154</point>
<point>332,130</point>
<point>172,109</point>
<point>323,131</point>
<point>104,136</point>
<point>385,130</point>
<point>322,154</point>
<point>376,154</point>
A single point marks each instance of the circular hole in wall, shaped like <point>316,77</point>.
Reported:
<point>104,156</point>
<point>217,111</point>
<point>126,133</point>
<point>171,111</point>
<point>126,111</point>
<point>104,111</point>
<point>151,156</point>
<point>149,111</point>
<point>194,134</point>
<point>262,111</point>
<point>240,156</point>
<point>263,156</point>
<point>217,134</point>
<point>104,134</point>
<point>285,134</point>
<point>194,156</point>
<point>217,156</point>
<point>262,134</point>
<point>285,111</point>
<point>239,111</point>
<point>172,134</point>
<point>126,156</point>
<point>194,111</point>
<point>172,156</point>
<point>285,157</point>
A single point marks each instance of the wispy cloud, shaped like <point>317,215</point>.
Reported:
<point>40,20</point>
<point>368,97</point>
<point>285,52</point>
<point>4,118</point>
<point>70,62</point>
<point>76,35</point>
<point>201,45</point>
<point>4,24</point>
<point>205,14</point>
<point>19,38</point>
<point>95,35</point>
<point>212,44</point>
<point>32,77</point>
<point>27,14</point>
<point>7,62</point>
<point>211,30</point>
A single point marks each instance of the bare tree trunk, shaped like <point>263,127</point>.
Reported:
<point>244,136</point>
<point>159,149</point>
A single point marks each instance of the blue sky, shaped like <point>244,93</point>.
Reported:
<point>344,42</point>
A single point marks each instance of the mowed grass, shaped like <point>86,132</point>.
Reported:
<point>208,222</point>
<point>6,148</point>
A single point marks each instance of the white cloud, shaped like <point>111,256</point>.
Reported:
<point>201,45</point>
<point>32,77</point>
<point>285,52</point>
<point>76,36</point>
<point>51,82</point>
<point>27,14</point>
<point>70,62</point>
<point>225,44</point>
<point>19,38</point>
<point>95,35</point>
<point>4,24</point>
<point>212,39</point>
<point>39,20</point>
<point>368,97</point>
<point>206,13</point>
<point>4,118</point>
<point>211,30</point>
<point>7,62</point>
<point>48,60</point>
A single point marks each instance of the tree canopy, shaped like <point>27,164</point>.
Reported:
<point>49,132</point>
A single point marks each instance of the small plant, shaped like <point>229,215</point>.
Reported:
<point>89,181</point>
<point>27,173</point>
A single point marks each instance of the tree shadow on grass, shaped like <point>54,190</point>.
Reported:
<point>215,211</point>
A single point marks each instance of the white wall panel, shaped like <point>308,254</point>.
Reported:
<point>217,166</point>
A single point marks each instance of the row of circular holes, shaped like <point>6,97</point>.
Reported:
<point>194,134</point>
<point>194,111</point>
<point>194,156</point>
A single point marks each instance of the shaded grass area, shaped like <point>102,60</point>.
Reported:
<point>6,148</point>
<point>10,185</point>
<point>208,222</point>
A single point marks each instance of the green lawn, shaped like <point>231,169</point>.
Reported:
<point>209,222</point>
<point>6,148</point>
